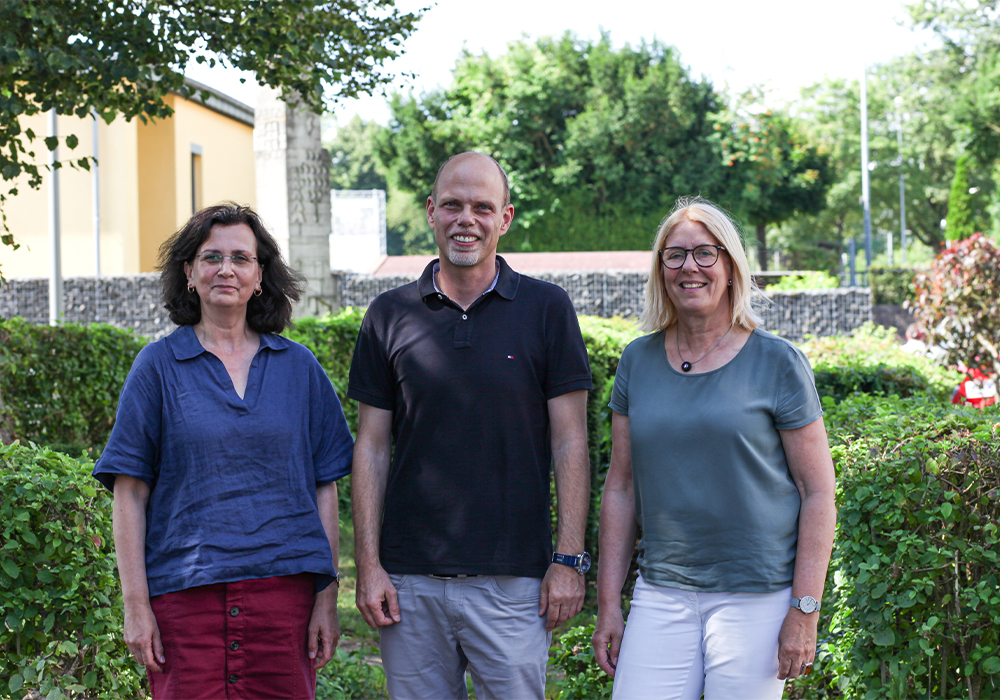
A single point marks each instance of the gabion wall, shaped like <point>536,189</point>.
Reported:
<point>134,301</point>
<point>131,301</point>
<point>789,314</point>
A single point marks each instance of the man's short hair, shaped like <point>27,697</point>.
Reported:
<point>503,176</point>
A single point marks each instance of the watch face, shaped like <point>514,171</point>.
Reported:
<point>808,604</point>
<point>584,564</point>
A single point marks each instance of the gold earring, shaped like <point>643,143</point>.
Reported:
<point>257,292</point>
<point>190,289</point>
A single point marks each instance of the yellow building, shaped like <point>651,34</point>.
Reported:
<point>152,177</point>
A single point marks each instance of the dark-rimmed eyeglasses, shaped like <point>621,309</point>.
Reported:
<point>704,256</point>
<point>236,259</point>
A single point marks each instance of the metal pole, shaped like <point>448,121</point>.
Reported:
<point>865,196</point>
<point>852,253</point>
<point>888,246</point>
<point>902,193</point>
<point>55,269</point>
<point>96,190</point>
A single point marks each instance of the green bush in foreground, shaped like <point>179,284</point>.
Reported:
<point>916,600</point>
<point>573,655</point>
<point>350,676</point>
<point>62,616</point>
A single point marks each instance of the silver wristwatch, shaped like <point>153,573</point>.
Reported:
<point>806,604</point>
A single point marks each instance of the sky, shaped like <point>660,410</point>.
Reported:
<point>780,44</point>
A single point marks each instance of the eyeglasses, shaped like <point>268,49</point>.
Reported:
<point>704,255</point>
<point>237,260</point>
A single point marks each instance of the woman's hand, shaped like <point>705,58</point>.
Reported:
<point>607,639</point>
<point>324,627</point>
<point>797,644</point>
<point>142,636</point>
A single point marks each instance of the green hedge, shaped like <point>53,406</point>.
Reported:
<point>62,615</point>
<point>60,384</point>
<point>870,362</point>
<point>891,286</point>
<point>916,602</point>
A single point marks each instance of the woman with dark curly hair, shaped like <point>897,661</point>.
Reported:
<point>223,462</point>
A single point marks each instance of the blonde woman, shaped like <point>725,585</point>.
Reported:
<point>720,460</point>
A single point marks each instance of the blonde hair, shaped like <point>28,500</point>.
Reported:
<point>659,313</point>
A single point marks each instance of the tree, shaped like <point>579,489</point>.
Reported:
<point>772,170</point>
<point>355,166</point>
<point>597,141</point>
<point>121,57</point>
<point>960,215</point>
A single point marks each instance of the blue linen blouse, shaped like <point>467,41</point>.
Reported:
<point>233,481</point>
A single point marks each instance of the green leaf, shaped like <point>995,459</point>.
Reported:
<point>884,638</point>
<point>11,568</point>
<point>946,509</point>
<point>72,141</point>
<point>991,665</point>
<point>15,683</point>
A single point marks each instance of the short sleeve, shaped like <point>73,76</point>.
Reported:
<point>567,364</point>
<point>371,380</point>
<point>619,391</point>
<point>133,448</point>
<point>797,403</point>
<point>332,443</point>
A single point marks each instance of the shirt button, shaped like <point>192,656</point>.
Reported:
<point>234,646</point>
<point>440,296</point>
<point>234,611</point>
<point>233,678</point>
<point>465,317</point>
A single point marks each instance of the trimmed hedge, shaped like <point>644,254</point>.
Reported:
<point>870,362</point>
<point>916,595</point>
<point>61,383</point>
<point>62,610</point>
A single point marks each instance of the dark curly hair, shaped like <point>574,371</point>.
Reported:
<point>271,312</point>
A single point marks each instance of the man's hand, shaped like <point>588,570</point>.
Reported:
<point>562,595</point>
<point>376,598</point>
<point>607,639</point>
<point>324,627</point>
<point>142,636</point>
<point>797,644</point>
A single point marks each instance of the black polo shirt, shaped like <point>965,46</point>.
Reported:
<point>468,489</point>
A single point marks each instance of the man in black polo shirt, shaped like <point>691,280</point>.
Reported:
<point>472,383</point>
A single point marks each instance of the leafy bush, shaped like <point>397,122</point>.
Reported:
<point>573,655</point>
<point>916,599</point>
<point>61,383</point>
<point>351,676</point>
<point>58,585</point>
<point>331,339</point>
<point>957,304</point>
<point>870,361</point>
<point>891,286</point>
<point>605,338</point>
<point>810,280</point>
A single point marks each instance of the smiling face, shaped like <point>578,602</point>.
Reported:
<point>225,285</point>
<point>467,212</point>
<point>694,290</point>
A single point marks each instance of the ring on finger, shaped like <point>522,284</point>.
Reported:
<point>806,668</point>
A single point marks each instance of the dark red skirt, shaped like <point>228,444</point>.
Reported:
<point>236,641</point>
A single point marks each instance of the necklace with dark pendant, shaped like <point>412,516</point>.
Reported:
<point>685,365</point>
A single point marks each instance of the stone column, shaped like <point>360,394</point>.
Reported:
<point>293,193</point>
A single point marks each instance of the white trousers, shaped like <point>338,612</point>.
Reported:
<point>680,643</point>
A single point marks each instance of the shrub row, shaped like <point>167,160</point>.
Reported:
<point>61,383</point>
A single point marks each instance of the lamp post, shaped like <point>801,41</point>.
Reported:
<point>55,233</point>
<point>902,184</point>
<point>865,194</point>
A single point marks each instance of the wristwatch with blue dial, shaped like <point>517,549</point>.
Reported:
<point>580,562</point>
